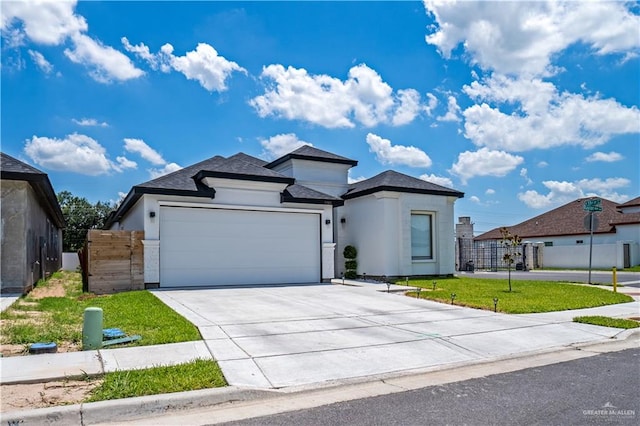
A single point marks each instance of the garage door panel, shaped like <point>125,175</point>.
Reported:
<point>218,247</point>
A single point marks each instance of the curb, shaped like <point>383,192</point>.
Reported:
<point>130,409</point>
<point>119,410</point>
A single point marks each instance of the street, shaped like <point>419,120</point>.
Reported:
<point>602,389</point>
<point>628,279</point>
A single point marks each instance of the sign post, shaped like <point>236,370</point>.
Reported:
<point>591,205</point>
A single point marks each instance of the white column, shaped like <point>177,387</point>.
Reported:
<point>151,261</point>
<point>328,270</point>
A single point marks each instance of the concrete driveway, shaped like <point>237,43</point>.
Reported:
<point>273,337</point>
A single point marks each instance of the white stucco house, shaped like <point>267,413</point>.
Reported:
<point>242,220</point>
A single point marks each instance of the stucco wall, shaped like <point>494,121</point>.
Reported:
<point>14,254</point>
<point>604,256</point>
<point>31,243</point>
<point>379,226</point>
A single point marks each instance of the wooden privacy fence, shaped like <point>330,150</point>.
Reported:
<point>112,261</point>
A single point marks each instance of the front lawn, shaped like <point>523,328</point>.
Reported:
<point>53,312</point>
<point>526,297</point>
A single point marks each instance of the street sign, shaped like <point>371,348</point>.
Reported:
<point>587,222</point>
<point>592,205</point>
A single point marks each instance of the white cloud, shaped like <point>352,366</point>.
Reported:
<point>204,65</point>
<point>438,180</point>
<point>432,103</point>
<point>562,192</point>
<point>125,163</point>
<point>523,37</point>
<point>43,22</point>
<point>610,157</point>
<point>279,145</point>
<point>453,111</point>
<point>474,199</point>
<point>169,168</point>
<point>90,122</point>
<point>294,94</point>
<point>409,107</point>
<point>44,65</point>
<point>397,154</point>
<point>490,191</point>
<point>543,164</point>
<point>543,117</point>
<point>140,147</point>
<point>75,153</point>
<point>485,162</point>
<point>524,173</point>
<point>54,22</point>
<point>106,63</point>
<point>351,180</point>
<point>142,51</point>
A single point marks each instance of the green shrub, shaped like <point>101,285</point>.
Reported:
<point>351,275</point>
<point>350,252</point>
<point>351,265</point>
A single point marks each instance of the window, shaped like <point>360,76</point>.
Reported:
<point>579,241</point>
<point>421,236</point>
<point>548,243</point>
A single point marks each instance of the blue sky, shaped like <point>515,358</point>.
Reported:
<point>522,106</point>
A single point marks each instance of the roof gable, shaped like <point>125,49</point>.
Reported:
<point>566,220</point>
<point>308,152</point>
<point>398,182</point>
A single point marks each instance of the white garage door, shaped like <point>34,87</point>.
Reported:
<point>201,247</point>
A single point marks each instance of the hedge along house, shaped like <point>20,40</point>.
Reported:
<point>241,220</point>
<point>32,224</point>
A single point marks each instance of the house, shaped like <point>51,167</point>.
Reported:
<point>242,220</point>
<point>561,237</point>
<point>32,224</point>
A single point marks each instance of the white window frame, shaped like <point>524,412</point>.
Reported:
<point>431,256</point>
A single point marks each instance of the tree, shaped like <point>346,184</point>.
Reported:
<point>80,216</point>
<point>511,244</point>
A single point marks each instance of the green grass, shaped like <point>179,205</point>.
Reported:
<point>632,269</point>
<point>526,297</point>
<point>198,374</point>
<point>59,319</point>
<point>608,322</point>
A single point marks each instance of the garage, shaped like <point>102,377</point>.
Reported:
<point>216,246</point>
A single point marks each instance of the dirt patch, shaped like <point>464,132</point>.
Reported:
<point>41,395</point>
<point>54,287</point>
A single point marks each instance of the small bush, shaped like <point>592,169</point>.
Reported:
<point>350,252</point>
<point>351,275</point>
<point>351,265</point>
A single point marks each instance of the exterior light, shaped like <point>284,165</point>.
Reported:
<point>327,222</point>
<point>453,297</point>
<point>418,292</point>
<point>495,304</point>
<point>152,214</point>
<point>434,285</point>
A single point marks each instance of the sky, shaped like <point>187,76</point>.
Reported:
<point>523,106</point>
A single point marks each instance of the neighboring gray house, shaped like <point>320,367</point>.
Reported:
<point>241,220</point>
<point>31,229</point>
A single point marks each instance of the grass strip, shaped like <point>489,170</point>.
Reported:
<point>59,319</point>
<point>194,375</point>
<point>526,297</point>
<point>608,321</point>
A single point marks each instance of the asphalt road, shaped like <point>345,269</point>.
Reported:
<point>632,279</point>
<point>602,389</point>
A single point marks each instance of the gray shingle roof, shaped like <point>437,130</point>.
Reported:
<point>187,181</point>
<point>301,194</point>
<point>308,152</point>
<point>398,182</point>
<point>13,169</point>
<point>566,220</point>
<point>11,165</point>
<point>634,202</point>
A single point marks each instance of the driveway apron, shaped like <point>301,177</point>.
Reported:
<point>280,336</point>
